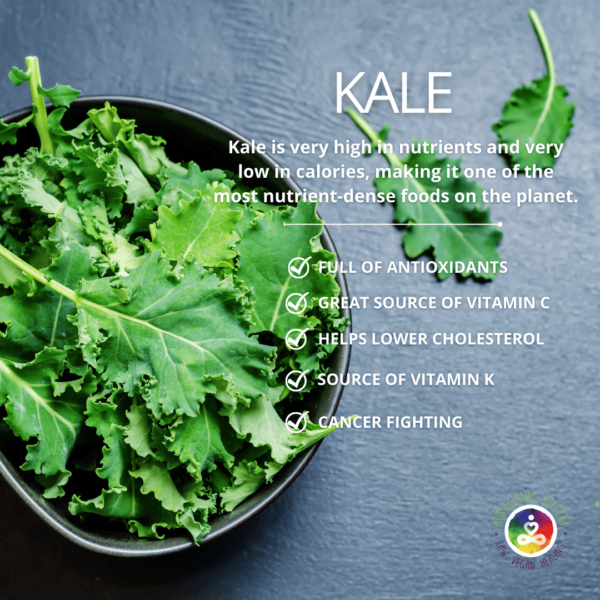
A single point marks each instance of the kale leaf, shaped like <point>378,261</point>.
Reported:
<point>457,228</point>
<point>536,114</point>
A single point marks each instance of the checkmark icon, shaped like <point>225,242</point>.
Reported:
<point>296,422</point>
<point>296,303</point>
<point>296,380</point>
<point>296,339</point>
<point>299,267</point>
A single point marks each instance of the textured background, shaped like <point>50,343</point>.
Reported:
<point>378,514</point>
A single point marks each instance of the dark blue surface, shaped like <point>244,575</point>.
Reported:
<point>383,513</point>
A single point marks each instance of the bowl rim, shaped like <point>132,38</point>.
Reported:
<point>88,540</point>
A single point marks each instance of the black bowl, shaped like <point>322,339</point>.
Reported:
<point>189,136</point>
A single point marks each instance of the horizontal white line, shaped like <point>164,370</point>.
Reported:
<point>395,224</point>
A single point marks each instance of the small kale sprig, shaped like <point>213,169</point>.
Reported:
<point>59,95</point>
<point>538,114</point>
<point>443,227</point>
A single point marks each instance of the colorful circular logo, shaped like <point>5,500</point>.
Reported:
<point>530,530</point>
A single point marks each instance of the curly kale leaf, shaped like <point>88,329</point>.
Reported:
<point>454,230</point>
<point>536,114</point>
<point>270,241</point>
<point>175,334</point>
<point>42,409</point>
<point>202,228</point>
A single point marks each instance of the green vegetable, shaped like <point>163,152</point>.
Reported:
<point>59,95</point>
<point>202,228</point>
<point>41,408</point>
<point>264,238</point>
<point>8,132</point>
<point>538,114</point>
<point>135,327</point>
<point>446,228</point>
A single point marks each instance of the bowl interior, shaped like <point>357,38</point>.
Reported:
<point>189,136</point>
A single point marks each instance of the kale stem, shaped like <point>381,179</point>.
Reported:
<point>37,275</point>
<point>40,116</point>
<point>374,137</point>
<point>539,30</point>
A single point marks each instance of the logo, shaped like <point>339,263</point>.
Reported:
<point>530,530</point>
<point>533,535</point>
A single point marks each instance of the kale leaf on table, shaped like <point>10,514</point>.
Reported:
<point>453,229</point>
<point>536,114</point>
